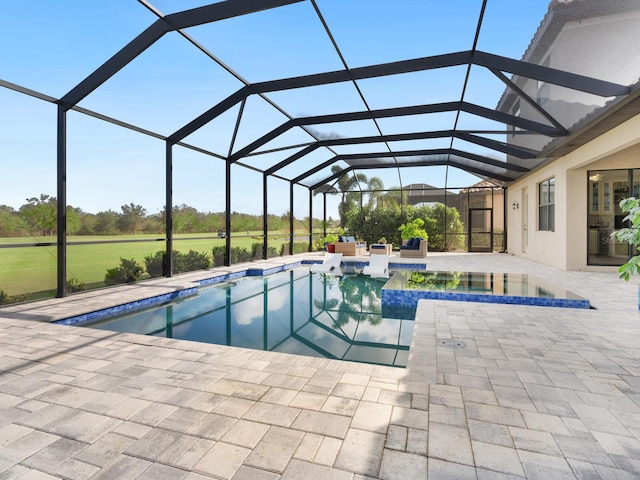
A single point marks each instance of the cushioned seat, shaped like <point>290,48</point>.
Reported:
<point>414,248</point>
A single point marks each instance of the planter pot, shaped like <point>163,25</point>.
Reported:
<point>331,248</point>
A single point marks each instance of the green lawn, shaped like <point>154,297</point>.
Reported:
<point>33,269</point>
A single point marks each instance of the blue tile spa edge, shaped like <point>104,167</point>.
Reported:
<point>411,297</point>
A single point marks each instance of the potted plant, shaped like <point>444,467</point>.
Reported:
<point>329,242</point>
<point>382,240</point>
<point>413,229</point>
<point>630,206</point>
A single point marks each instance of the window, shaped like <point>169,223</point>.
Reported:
<point>546,205</point>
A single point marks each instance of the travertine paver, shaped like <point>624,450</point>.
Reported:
<point>322,423</point>
<point>246,434</point>
<point>275,449</point>
<point>223,460</point>
<point>327,451</point>
<point>340,406</point>
<point>537,392</point>
<point>372,416</point>
<point>497,458</point>
<point>402,466</point>
<point>361,452</point>
<point>250,473</point>
<point>308,400</point>
<point>396,438</point>
<point>101,452</point>
<point>418,441</point>
<point>454,471</point>
<point>539,465</point>
<point>194,454</point>
<point>75,469</point>
<point>308,447</point>
<point>450,443</point>
<point>297,470</point>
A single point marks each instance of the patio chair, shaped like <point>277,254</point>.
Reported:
<point>378,266</point>
<point>330,264</point>
<point>415,248</point>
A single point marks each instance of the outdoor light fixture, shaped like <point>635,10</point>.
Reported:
<point>515,205</point>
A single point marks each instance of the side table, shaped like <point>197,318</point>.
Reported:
<point>380,248</point>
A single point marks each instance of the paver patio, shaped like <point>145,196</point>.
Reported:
<point>538,392</point>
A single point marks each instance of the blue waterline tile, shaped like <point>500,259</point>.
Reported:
<point>168,297</point>
<point>127,307</point>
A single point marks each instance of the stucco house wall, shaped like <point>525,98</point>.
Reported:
<point>566,247</point>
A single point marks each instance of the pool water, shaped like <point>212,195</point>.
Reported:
<point>292,311</point>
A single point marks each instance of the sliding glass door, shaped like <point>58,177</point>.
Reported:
<point>606,189</point>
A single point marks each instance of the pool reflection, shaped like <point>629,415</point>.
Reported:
<point>292,311</point>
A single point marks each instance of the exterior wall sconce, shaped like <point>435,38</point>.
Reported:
<point>515,205</point>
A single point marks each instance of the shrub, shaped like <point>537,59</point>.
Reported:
<point>257,250</point>
<point>240,255</point>
<point>6,299</point>
<point>155,264</point>
<point>218,255</point>
<point>73,285</point>
<point>272,252</point>
<point>298,247</point>
<point>440,219</point>
<point>378,222</point>
<point>129,271</point>
<point>188,262</point>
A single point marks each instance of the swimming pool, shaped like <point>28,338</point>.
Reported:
<point>288,309</point>
<point>291,311</point>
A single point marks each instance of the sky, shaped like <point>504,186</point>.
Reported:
<point>50,47</point>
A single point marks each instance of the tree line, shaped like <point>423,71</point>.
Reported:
<point>38,217</point>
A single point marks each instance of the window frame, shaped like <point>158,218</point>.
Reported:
<point>546,207</point>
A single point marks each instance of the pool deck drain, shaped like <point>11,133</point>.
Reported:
<point>452,343</point>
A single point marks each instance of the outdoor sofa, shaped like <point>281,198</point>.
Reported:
<point>348,246</point>
<point>414,248</point>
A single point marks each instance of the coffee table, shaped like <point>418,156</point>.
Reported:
<point>380,249</point>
